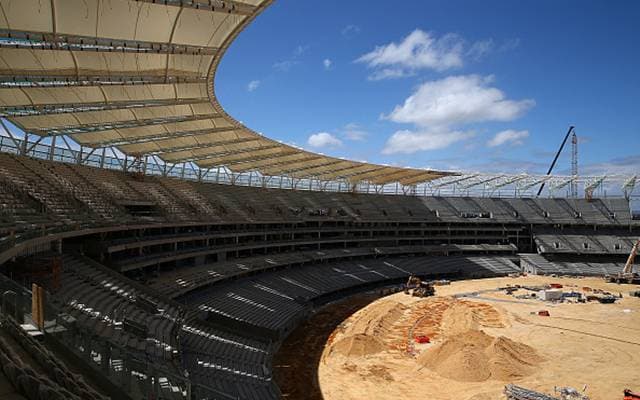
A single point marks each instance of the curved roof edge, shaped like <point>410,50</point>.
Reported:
<point>139,75</point>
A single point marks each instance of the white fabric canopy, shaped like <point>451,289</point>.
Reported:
<point>139,75</point>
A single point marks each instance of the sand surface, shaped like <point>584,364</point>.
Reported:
<point>480,343</point>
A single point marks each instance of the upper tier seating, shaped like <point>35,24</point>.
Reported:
<point>540,265</point>
<point>75,194</point>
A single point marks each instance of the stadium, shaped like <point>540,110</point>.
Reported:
<point>154,247</point>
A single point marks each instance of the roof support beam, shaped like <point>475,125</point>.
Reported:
<point>423,177</point>
<point>307,165</point>
<point>89,128</point>
<point>236,164</point>
<point>225,6</point>
<point>375,173</point>
<point>270,161</point>
<point>629,185</point>
<point>203,145</point>
<point>35,80</point>
<point>536,182</point>
<point>348,171</point>
<point>393,176</point>
<point>49,41</point>
<point>509,181</point>
<point>222,151</point>
<point>229,160</point>
<point>158,137</point>
<point>62,108</point>
<point>481,182</point>
<point>562,183</point>
<point>590,188</point>
<point>454,181</point>
<point>218,158</point>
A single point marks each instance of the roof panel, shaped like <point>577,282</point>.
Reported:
<point>76,17</point>
<point>111,93</point>
<point>155,22</point>
<point>26,15</point>
<point>203,27</point>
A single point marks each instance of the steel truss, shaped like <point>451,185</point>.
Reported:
<point>255,164</point>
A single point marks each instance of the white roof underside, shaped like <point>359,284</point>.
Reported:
<point>139,75</point>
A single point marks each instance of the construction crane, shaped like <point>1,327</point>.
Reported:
<point>627,275</point>
<point>555,159</point>
<point>574,165</point>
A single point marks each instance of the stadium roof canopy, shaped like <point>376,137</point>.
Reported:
<point>138,75</point>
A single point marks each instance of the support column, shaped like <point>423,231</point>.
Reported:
<point>52,149</point>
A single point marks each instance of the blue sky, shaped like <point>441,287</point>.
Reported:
<point>463,85</point>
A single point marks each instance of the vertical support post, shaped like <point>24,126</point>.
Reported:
<point>23,150</point>
<point>52,149</point>
<point>37,306</point>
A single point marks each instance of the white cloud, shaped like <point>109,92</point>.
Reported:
<point>327,63</point>
<point>510,136</point>
<point>509,44</point>
<point>438,108</point>
<point>323,139</point>
<point>419,50</point>
<point>292,60</point>
<point>480,48</point>
<point>284,66</point>
<point>422,50</point>
<point>408,142</point>
<point>389,73</point>
<point>253,85</point>
<point>457,100</point>
<point>350,31</point>
<point>354,132</point>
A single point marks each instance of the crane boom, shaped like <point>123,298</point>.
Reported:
<point>628,267</point>
<point>555,159</point>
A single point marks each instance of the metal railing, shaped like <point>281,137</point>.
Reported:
<point>464,184</point>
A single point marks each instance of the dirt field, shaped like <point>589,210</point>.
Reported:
<point>477,345</point>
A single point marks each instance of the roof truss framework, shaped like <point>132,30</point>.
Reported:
<point>259,163</point>
<point>348,171</point>
<point>138,75</point>
<point>305,168</point>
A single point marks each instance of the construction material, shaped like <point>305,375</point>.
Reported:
<point>555,285</point>
<point>423,339</point>
<point>569,393</point>
<point>419,288</point>
<point>551,295</point>
<point>514,392</point>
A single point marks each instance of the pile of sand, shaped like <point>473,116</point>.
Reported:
<point>474,356</point>
<point>462,316</point>
<point>358,345</point>
<point>379,321</point>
